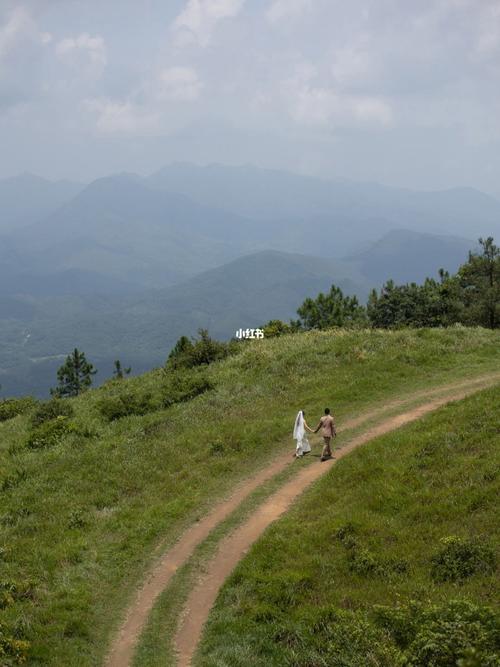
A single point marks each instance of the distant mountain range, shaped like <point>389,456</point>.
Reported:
<point>163,229</point>
<point>140,329</point>
<point>406,256</point>
<point>336,215</point>
<point>125,265</point>
<point>27,199</point>
<point>121,227</point>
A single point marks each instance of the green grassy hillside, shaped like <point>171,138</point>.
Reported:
<point>389,560</point>
<point>84,501</point>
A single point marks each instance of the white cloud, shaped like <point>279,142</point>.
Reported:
<point>286,9</point>
<point>352,65</point>
<point>144,111</point>
<point>197,22</point>
<point>180,84</point>
<point>488,39</point>
<point>22,58</point>
<point>309,102</point>
<point>371,110</point>
<point>84,51</point>
<point>19,29</point>
<point>122,117</point>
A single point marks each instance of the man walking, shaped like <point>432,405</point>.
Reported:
<point>328,431</point>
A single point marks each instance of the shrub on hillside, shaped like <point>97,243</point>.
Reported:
<point>13,479</point>
<point>362,561</point>
<point>49,433</point>
<point>459,559</point>
<point>127,402</point>
<point>184,386</point>
<point>204,351</point>
<point>216,448</point>
<point>77,519</point>
<point>13,651</point>
<point>329,636</point>
<point>13,648</point>
<point>12,407</point>
<point>346,534</point>
<point>276,328</point>
<point>458,633</point>
<point>11,591</point>
<point>48,410</point>
<point>179,385</point>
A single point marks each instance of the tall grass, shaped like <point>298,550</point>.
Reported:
<point>81,517</point>
<point>348,577</point>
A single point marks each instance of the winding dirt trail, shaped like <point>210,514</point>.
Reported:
<point>234,547</point>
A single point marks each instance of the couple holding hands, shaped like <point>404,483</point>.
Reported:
<point>328,431</point>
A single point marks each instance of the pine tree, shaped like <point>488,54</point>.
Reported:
<point>74,376</point>
<point>120,372</point>
<point>181,353</point>
<point>480,283</point>
<point>330,310</point>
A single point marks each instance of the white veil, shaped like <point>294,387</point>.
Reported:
<point>299,429</point>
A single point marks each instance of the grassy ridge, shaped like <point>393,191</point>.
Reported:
<point>371,533</point>
<point>79,520</point>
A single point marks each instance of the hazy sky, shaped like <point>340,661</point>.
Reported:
<point>404,93</point>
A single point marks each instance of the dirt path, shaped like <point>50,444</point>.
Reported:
<point>122,649</point>
<point>234,547</point>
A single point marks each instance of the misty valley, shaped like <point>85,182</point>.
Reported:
<point>125,265</point>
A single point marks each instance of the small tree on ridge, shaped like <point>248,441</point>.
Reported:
<point>74,376</point>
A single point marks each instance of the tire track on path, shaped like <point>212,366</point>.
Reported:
<point>235,546</point>
<point>158,577</point>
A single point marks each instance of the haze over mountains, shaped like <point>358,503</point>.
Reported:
<point>125,265</point>
<point>331,205</point>
<point>27,198</point>
<point>184,219</point>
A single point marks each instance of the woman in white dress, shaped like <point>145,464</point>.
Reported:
<point>299,434</point>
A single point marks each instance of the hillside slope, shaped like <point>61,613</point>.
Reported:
<point>409,522</point>
<point>83,513</point>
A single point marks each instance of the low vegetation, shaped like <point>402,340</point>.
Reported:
<point>460,558</point>
<point>189,353</point>
<point>12,407</point>
<point>390,560</point>
<point>90,490</point>
<point>49,410</point>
